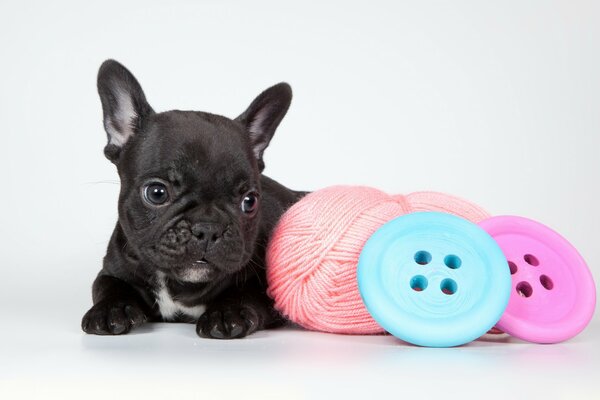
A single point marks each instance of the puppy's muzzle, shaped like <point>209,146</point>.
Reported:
<point>196,240</point>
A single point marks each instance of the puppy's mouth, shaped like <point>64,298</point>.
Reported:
<point>195,272</point>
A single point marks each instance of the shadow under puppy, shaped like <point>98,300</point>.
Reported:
<point>195,214</point>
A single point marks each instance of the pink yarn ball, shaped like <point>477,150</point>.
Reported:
<point>313,253</point>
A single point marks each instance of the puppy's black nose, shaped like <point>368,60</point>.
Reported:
<point>211,232</point>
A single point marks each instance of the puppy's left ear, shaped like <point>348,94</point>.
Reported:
<point>263,116</point>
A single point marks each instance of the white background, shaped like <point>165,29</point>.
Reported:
<point>496,102</point>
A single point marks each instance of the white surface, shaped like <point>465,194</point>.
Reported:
<point>497,102</point>
<point>165,360</point>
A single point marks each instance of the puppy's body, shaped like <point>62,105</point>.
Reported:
<point>195,214</point>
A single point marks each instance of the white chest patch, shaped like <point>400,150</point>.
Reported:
<point>169,308</point>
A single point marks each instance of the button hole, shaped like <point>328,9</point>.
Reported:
<point>448,286</point>
<point>422,257</point>
<point>513,267</point>
<point>531,260</point>
<point>452,261</point>
<point>546,282</point>
<point>418,283</point>
<point>524,289</point>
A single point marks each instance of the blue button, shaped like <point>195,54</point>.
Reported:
<point>434,279</point>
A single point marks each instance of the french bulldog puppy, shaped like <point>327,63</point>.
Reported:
<point>195,214</point>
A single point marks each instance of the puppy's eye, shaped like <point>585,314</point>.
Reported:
<point>250,203</point>
<point>156,193</point>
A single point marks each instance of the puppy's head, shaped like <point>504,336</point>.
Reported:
<point>190,200</point>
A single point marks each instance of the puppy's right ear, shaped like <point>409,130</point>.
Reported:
<point>124,106</point>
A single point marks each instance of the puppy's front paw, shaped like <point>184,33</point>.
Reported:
<point>112,318</point>
<point>228,322</point>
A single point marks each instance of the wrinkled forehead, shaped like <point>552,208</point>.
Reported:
<point>194,148</point>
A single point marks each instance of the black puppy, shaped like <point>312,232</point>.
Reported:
<point>195,214</point>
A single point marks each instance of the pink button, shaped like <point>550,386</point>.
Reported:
<point>553,294</point>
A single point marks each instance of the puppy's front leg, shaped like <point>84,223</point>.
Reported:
<point>238,312</point>
<point>117,308</point>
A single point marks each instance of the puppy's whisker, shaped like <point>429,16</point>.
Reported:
<point>252,265</point>
<point>102,182</point>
